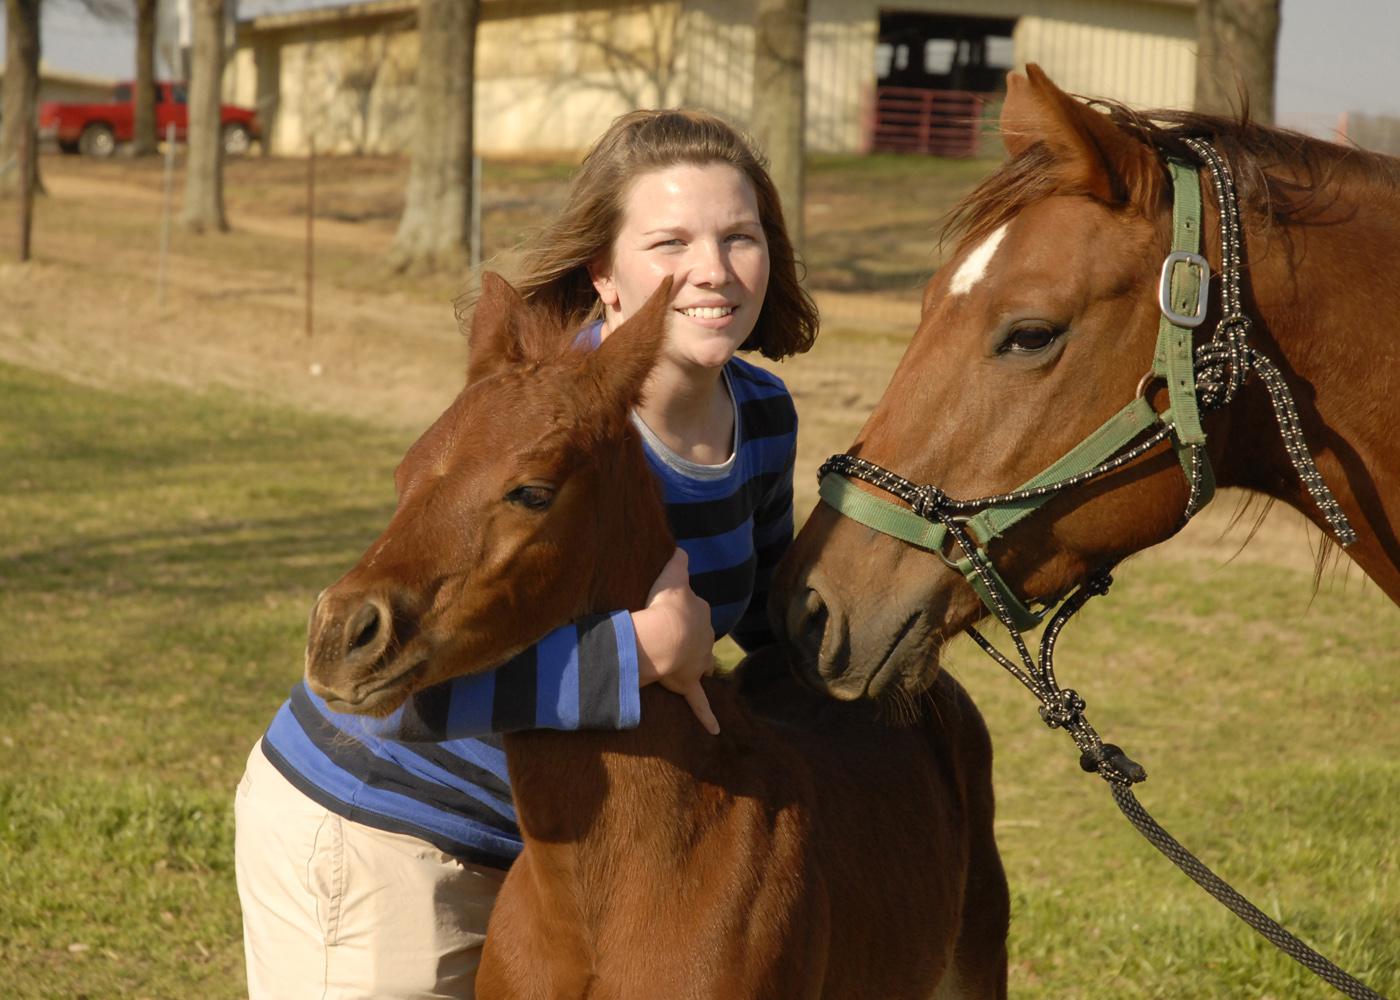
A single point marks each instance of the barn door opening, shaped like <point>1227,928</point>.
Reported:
<point>936,75</point>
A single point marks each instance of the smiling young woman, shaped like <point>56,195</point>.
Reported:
<point>369,850</point>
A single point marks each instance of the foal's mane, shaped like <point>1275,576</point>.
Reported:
<point>1281,176</point>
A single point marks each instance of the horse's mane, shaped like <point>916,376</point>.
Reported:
<point>1281,175</point>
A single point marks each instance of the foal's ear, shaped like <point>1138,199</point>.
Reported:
<point>622,362</point>
<point>1095,156</point>
<point>498,324</point>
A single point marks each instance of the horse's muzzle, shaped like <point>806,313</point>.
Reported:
<point>355,658</point>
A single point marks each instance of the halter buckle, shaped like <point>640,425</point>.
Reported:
<point>1195,262</point>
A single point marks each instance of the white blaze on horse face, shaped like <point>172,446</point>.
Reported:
<point>974,268</point>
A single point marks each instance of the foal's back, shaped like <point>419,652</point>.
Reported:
<point>810,851</point>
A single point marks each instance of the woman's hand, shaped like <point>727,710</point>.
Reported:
<point>675,641</point>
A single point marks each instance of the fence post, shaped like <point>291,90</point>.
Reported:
<point>27,168</point>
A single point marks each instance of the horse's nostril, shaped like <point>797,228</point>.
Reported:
<point>365,628</point>
<point>807,619</point>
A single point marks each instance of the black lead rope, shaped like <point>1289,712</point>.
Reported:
<point>1063,708</point>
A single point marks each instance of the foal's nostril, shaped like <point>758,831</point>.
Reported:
<point>365,632</point>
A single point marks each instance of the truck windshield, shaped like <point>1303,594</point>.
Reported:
<point>121,93</point>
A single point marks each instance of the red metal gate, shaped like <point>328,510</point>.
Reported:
<point>937,122</point>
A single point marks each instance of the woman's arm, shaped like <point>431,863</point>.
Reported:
<point>584,675</point>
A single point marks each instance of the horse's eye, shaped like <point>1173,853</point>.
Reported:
<point>1029,339</point>
<point>532,497</point>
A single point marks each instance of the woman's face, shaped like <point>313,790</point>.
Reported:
<point>699,224</point>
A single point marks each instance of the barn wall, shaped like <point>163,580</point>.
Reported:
<point>1142,54</point>
<point>551,74</point>
<point>1139,53</point>
<point>72,89</point>
<point>347,84</point>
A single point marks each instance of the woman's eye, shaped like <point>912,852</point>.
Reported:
<point>531,497</point>
<point>1029,339</point>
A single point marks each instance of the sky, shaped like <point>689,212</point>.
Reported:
<point>1334,56</point>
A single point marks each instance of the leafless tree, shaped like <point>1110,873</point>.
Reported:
<point>1236,55</point>
<point>19,162</point>
<point>434,230</point>
<point>204,168</point>
<point>141,14</point>
<point>780,44</point>
<point>144,93</point>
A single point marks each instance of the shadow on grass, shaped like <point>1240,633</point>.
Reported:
<point>220,559</point>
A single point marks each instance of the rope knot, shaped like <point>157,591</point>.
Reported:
<point>1110,762</point>
<point>928,500</point>
<point>1098,584</point>
<point>1064,707</point>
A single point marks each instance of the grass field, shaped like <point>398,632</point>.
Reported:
<point>177,491</point>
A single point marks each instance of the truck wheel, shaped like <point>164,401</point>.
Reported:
<point>97,140</point>
<point>237,141</point>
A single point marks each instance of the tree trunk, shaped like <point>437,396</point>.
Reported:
<point>434,230</point>
<point>780,42</point>
<point>204,167</point>
<point>1236,54</point>
<point>20,112</point>
<point>144,93</point>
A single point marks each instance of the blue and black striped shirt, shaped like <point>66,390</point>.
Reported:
<point>435,768</point>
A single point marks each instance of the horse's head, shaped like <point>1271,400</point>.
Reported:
<point>511,509</point>
<point>1040,326</point>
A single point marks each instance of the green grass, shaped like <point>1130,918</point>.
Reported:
<point>1265,718</point>
<point>158,553</point>
<point>159,550</point>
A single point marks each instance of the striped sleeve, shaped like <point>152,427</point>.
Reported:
<point>580,676</point>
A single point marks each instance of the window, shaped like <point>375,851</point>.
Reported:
<point>884,55</point>
<point>1001,52</point>
<point>938,55</point>
<point>122,93</point>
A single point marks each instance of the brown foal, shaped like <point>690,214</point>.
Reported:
<point>811,850</point>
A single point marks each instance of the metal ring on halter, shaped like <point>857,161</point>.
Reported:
<point>960,519</point>
<point>1144,382</point>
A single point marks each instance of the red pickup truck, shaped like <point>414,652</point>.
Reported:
<point>95,129</point>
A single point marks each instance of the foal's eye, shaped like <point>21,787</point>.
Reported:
<point>1029,339</point>
<point>531,497</point>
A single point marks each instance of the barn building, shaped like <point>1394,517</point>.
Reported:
<point>551,74</point>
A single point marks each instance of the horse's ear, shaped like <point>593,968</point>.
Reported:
<point>1095,156</point>
<point>622,362</point>
<point>497,323</point>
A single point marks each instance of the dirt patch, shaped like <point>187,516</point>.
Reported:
<point>387,349</point>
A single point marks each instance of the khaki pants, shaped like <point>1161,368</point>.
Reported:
<point>335,910</point>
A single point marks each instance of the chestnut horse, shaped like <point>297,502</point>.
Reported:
<point>1043,324</point>
<point>808,851</point>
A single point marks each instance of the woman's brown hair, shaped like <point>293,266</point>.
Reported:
<point>554,272</point>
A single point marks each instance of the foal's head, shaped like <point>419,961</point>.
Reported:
<point>1039,327</point>
<point>515,509</point>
